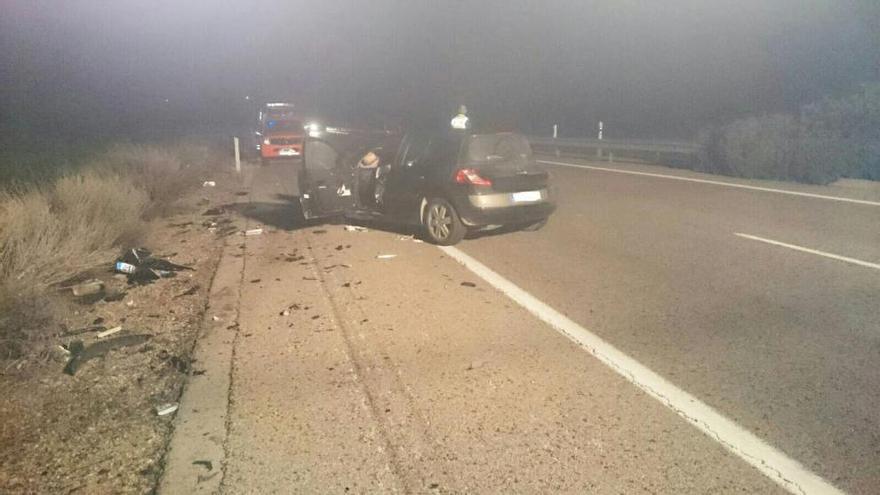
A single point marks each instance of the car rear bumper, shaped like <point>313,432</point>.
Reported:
<point>281,150</point>
<point>506,213</point>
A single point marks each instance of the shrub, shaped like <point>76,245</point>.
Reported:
<point>833,138</point>
<point>74,217</point>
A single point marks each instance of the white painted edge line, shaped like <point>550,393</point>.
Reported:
<point>716,183</point>
<point>811,251</point>
<point>787,472</point>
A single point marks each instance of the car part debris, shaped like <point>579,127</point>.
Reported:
<point>126,268</point>
<point>209,183</point>
<point>468,284</point>
<point>88,288</point>
<point>207,464</point>
<point>79,353</point>
<point>141,267</point>
<point>319,231</point>
<point>166,409</point>
<point>356,228</point>
<point>252,232</point>
<point>386,256</point>
<point>192,290</point>
<point>80,331</point>
<point>107,333</point>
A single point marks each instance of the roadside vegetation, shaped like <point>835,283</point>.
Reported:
<point>60,216</point>
<point>833,138</point>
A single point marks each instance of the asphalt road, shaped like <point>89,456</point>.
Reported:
<point>349,373</point>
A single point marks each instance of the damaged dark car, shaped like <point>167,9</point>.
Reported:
<point>446,182</point>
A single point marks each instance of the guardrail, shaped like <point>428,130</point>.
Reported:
<point>569,145</point>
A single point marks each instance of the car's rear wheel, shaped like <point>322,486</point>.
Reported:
<point>442,224</point>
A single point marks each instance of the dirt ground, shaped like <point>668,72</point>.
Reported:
<point>98,431</point>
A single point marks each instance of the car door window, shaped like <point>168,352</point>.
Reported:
<point>416,151</point>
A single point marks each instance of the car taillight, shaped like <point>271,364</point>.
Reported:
<point>470,176</point>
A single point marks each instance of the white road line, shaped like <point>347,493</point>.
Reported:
<point>785,471</point>
<point>811,251</point>
<point>717,183</point>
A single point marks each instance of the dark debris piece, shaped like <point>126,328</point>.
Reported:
<point>468,284</point>
<point>207,464</point>
<point>79,353</point>
<point>319,231</point>
<point>192,290</point>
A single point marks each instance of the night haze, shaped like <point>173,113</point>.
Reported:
<point>646,68</point>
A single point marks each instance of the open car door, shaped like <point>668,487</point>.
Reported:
<point>330,156</point>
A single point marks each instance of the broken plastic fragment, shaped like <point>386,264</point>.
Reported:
<point>253,232</point>
<point>386,256</point>
<point>107,333</point>
<point>355,228</point>
<point>209,183</point>
<point>123,267</point>
<point>88,288</point>
<point>165,409</point>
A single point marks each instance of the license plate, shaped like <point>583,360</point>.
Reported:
<point>288,152</point>
<point>527,196</point>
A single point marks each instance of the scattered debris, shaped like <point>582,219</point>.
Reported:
<point>210,212</point>
<point>339,247</point>
<point>207,464</point>
<point>241,193</point>
<point>468,284</point>
<point>256,281</point>
<point>166,409</point>
<point>356,228</point>
<point>319,231</point>
<point>209,183</point>
<point>347,284</point>
<point>79,353</point>
<point>88,288</point>
<point>192,290</point>
<point>142,268</point>
<point>80,331</point>
<point>310,278</point>
<point>286,312</point>
<point>386,256</point>
<point>252,232</point>
<point>107,333</point>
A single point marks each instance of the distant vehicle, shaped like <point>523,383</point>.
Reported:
<point>446,182</point>
<point>279,132</point>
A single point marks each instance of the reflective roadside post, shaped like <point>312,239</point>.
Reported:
<point>599,149</point>
<point>555,135</point>
<point>237,154</point>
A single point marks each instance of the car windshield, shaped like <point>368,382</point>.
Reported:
<point>498,149</point>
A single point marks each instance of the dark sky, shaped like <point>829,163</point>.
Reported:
<point>647,68</point>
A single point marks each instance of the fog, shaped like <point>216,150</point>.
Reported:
<point>648,69</point>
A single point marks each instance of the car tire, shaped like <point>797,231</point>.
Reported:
<point>442,224</point>
<point>535,226</point>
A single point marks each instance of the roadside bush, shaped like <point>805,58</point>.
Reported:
<point>833,138</point>
<point>163,173</point>
<point>50,231</point>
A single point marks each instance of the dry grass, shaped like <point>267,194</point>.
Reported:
<point>50,232</point>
